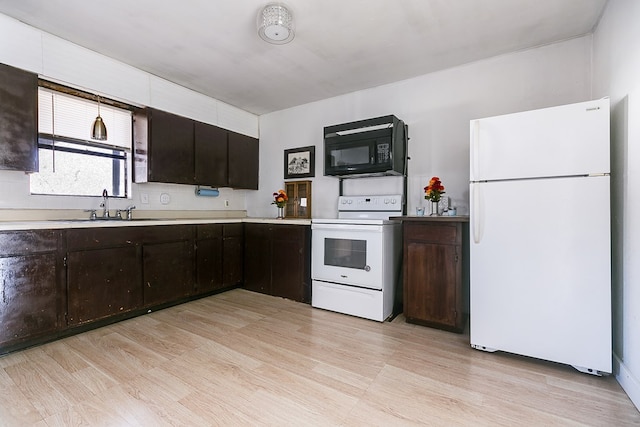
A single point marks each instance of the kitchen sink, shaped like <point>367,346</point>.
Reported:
<point>108,220</point>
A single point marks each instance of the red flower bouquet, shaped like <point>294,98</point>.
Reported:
<point>280,199</point>
<point>434,190</point>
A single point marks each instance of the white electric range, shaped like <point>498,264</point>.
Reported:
<point>356,258</point>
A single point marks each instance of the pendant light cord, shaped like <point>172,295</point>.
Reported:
<point>53,133</point>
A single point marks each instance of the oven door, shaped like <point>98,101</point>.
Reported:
<point>349,254</point>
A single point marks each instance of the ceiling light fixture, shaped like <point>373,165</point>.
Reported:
<point>99,130</point>
<point>275,24</point>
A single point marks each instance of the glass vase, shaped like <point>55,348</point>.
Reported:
<point>434,209</point>
<point>280,212</point>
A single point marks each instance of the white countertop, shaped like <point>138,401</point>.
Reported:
<point>81,223</point>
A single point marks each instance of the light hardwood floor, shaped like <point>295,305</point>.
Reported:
<point>241,358</point>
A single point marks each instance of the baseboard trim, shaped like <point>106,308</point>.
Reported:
<point>629,383</point>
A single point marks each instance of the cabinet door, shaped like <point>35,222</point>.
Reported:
<point>103,283</point>
<point>31,286</point>
<point>243,161</point>
<point>233,252</point>
<point>433,274</point>
<point>210,155</point>
<point>299,204</point>
<point>209,258</point>
<point>290,272</point>
<point>29,297</point>
<point>431,290</point>
<point>18,119</point>
<point>167,271</point>
<point>171,149</point>
<point>257,258</point>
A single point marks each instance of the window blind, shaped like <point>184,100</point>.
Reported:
<point>64,115</point>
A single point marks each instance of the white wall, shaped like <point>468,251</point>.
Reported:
<point>67,63</point>
<point>616,72</point>
<point>437,108</point>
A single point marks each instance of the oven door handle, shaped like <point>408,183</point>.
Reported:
<point>348,227</point>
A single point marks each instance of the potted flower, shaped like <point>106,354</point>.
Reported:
<point>433,192</point>
<point>280,200</point>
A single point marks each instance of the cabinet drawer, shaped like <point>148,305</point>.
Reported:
<point>92,238</point>
<point>28,242</point>
<point>167,233</point>
<point>233,230</point>
<point>209,231</point>
<point>290,233</point>
<point>435,233</point>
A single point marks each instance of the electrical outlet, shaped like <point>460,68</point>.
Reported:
<point>144,198</point>
<point>165,198</point>
<point>226,203</point>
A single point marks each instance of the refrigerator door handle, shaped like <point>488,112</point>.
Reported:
<point>476,219</point>
<point>475,141</point>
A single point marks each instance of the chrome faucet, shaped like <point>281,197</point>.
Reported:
<point>105,204</point>
<point>129,213</point>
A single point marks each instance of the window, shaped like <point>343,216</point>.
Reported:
<point>73,164</point>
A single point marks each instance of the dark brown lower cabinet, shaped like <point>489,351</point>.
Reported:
<point>257,257</point>
<point>103,283</point>
<point>434,257</point>
<point>103,273</point>
<point>168,260</point>
<point>31,285</point>
<point>278,260</point>
<point>232,254</point>
<point>219,249</point>
<point>208,257</point>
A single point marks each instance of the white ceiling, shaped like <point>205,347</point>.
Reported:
<point>341,46</point>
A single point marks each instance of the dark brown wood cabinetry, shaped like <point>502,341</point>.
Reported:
<point>243,161</point>
<point>435,272</point>
<point>232,254</point>
<point>219,249</point>
<point>168,261</point>
<point>103,273</point>
<point>257,258</point>
<point>55,283</point>
<point>211,164</point>
<point>171,155</point>
<point>18,119</point>
<point>175,149</point>
<point>277,260</point>
<point>32,287</point>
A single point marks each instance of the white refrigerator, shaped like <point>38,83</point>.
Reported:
<point>540,245</point>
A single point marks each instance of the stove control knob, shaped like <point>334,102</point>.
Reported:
<point>367,268</point>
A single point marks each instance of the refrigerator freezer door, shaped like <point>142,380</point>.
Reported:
<point>541,269</point>
<point>560,141</point>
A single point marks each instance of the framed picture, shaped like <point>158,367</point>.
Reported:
<point>300,162</point>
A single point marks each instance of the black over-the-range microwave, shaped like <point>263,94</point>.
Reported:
<point>371,147</point>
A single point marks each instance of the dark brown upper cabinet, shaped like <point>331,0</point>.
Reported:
<point>174,149</point>
<point>18,119</point>
<point>164,149</point>
<point>243,161</point>
<point>211,166</point>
